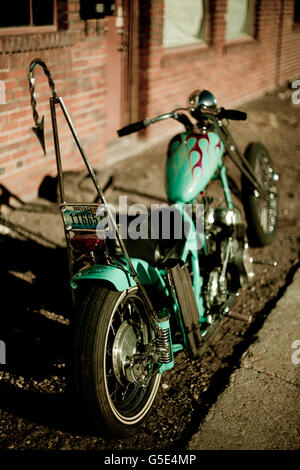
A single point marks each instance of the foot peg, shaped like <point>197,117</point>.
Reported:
<point>268,263</point>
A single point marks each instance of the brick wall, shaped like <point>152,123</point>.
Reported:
<point>75,56</point>
<point>289,67</point>
<point>234,71</point>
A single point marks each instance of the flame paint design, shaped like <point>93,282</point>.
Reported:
<point>218,146</point>
<point>179,140</point>
<point>196,148</point>
<point>191,177</point>
<point>199,164</point>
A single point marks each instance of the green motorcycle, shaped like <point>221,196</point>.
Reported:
<point>139,300</point>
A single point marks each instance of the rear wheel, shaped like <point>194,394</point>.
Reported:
<point>261,215</point>
<point>111,333</point>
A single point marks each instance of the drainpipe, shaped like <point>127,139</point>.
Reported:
<point>279,45</point>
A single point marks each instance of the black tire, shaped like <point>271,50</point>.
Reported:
<point>104,320</point>
<point>261,216</point>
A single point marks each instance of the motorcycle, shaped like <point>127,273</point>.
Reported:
<point>139,301</point>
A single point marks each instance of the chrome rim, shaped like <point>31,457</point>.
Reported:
<point>128,333</point>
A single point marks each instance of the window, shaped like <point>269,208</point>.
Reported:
<point>297,14</point>
<point>22,16</point>
<point>184,22</point>
<point>239,19</point>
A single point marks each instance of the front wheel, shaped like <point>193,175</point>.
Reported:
<point>111,332</point>
<point>261,214</point>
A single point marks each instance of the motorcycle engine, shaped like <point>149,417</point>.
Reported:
<point>227,264</point>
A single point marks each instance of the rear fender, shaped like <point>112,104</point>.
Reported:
<point>120,277</point>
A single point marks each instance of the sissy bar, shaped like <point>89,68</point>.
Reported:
<point>39,131</point>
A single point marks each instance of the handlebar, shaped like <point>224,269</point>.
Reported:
<point>232,114</point>
<point>131,128</point>
<point>220,113</point>
<point>139,125</point>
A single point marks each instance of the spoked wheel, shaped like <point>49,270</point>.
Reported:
<point>261,214</point>
<point>114,370</point>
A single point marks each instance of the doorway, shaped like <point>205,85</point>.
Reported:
<point>121,67</point>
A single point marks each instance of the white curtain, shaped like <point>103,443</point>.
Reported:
<point>182,22</point>
<point>237,18</point>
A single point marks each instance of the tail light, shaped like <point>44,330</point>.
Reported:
<point>86,242</point>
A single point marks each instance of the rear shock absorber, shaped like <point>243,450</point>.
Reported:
<point>164,346</point>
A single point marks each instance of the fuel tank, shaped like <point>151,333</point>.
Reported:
<point>192,160</point>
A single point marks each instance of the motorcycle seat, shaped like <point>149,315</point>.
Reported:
<point>160,239</point>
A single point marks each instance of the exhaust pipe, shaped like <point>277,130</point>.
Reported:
<point>181,287</point>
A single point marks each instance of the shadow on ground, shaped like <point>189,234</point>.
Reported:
<point>34,325</point>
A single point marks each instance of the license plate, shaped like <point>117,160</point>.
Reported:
<point>81,217</point>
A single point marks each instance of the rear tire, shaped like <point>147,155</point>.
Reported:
<point>261,216</point>
<point>109,328</point>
